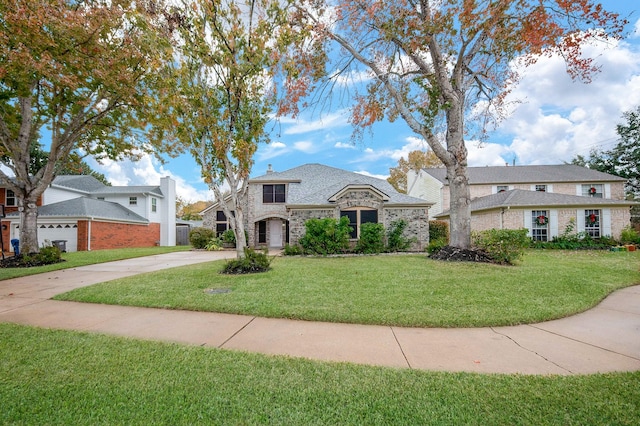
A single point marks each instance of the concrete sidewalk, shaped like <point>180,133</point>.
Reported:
<point>606,338</point>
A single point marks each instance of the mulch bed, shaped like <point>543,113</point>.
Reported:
<point>455,254</point>
<point>23,262</point>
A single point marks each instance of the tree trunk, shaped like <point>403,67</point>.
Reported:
<point>460,195</point>
<point>28,226</point>
<point>460,208</point>
<point>241,241</point>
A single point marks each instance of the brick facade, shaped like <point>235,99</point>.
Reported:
<point>110,235</point>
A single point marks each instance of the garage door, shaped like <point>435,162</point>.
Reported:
<point>59,231</point>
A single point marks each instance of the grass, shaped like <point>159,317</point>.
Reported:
<point>407,290</point>
<point>59,377</point>
<point>82,258</point>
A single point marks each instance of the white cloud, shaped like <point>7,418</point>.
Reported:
<point>561,118</point>
<point>366,173</point>
<point>148,171</point>
<point>305,146</point>
<point>343,145</point>
<point>272,150</point>
<point>326,122</point>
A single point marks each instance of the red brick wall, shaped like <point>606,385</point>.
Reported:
<point>109,235</point>
<point>6,236</point>
<point>83,232</point>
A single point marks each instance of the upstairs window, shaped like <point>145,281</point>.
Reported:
<point>10,198</point>
<point>595,190</point>
<point>502,188</point>
<point>154,205</point>
<point>541,188</point>
<point>273,193</point>
<point>133,201</point>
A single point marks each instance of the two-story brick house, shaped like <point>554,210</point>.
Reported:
<point>278,204</point>
<point>543,199</point>
<point>89,215</point>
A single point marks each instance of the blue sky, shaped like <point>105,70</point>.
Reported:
<point>556,119</point>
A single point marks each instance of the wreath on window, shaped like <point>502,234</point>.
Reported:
<point>593,219</point>
<point>542,220</point>
<point>592,191</point>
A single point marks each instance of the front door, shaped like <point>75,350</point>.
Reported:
<point>275,233</point>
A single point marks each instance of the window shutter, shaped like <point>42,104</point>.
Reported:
<point>607,192</point>
<point>527,221</point>
<point>579,191</point>
<point>553,223</point>
<point>580,220</point>
<point>606,222</point>
<point>549,188</point>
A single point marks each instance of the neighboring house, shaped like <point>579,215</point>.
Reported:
<point>88,215</point>
<point>543,199</point>
<point>278,204</point>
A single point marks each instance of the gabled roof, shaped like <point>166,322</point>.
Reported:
<point>84,207</point>
<point>91,186</point>
<point>528,174</point>
<point>81,183</point>
<point>316,184</point>
<point>521,198</point>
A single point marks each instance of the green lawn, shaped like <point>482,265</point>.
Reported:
<point>58,377</point>
<point>82,258</point>
<point>404,290</point>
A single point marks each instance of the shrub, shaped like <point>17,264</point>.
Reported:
<point>252,262</point>
<point>502,245</point>
<point>396,241</point>
<point>436,245</point>
<point>290,250</point>
<point>49,255</point>
<point>629,236</point>
<point>46,256</point>
<point>438,230</point>
<point>228,237</point>
<point>326,236</point>
<point>214,244</point>
<point>371,238</point>
<point>200,237</point>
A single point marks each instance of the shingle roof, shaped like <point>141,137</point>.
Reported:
<point>529,174</point>
<point>83,183</point>
<point>523,198</point>
<point>88,208</point>
<point>314,184</point>
<point>90,185</point>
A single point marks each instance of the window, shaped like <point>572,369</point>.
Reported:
<point>154,205</point>
<point>222,224</point>
<point>133,201</point>
<point>10,198</point>
<point>273,193</point>
<point>357,218</point>
<point>540,225</point>
<point>262,232</point>
<point>593,190</point>
<point>541,188</point>
<point>592,223</point>
<point>502,188</point>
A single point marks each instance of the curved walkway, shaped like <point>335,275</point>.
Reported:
<point>606,338</point>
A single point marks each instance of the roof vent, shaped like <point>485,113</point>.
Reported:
<point>269,169</point>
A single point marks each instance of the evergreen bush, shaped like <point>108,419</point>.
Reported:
<point>396,241</point>
<point>371,238</point>
<point>502,245</point>
<point>200,237</point>
<point>252,262</point>
<point>326,236</point>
